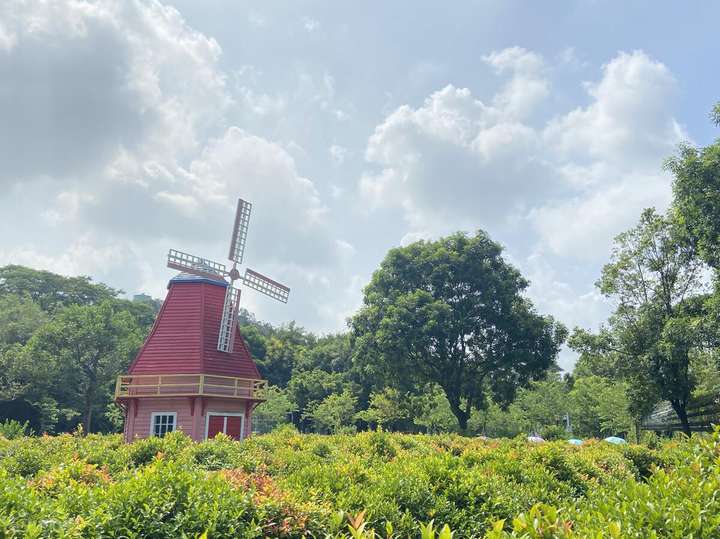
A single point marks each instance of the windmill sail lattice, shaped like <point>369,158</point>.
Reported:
<point>242,221</point>
<point>215,270</point>
<point>226,337</point>
<point>259,282</point>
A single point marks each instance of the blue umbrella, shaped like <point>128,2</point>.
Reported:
<point>615,440</point>
<point>575,441</point>
<point>535,439</point>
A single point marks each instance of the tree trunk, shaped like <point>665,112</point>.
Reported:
<point>87,418</point>
<point>461,415</point>
<point>681,412</point>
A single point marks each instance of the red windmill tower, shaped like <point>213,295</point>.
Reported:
<point>194,371</point>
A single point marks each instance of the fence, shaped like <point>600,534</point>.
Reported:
<point>702,414</point>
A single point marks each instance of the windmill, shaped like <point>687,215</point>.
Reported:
<point>215,270</point>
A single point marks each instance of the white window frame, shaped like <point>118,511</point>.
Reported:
<point>156,414</point>
<point>241,415</point>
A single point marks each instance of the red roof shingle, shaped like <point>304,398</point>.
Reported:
<point>184,338</point>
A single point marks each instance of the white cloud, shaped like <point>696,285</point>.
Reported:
<point>66,208</point>
<point>627,123</point>
<point>81,257</point>
<point>289,217</point>
<point>457,162</point>
<point>257,20</point>
<point>126,76</point>
<point>455,159</point>
<point>570,226</point>
<point>612,152</point>
<point>127,137</point>
<point>527,86</point>
<point>559,190</point>
<point>122,135</point>
<point>7,40</point>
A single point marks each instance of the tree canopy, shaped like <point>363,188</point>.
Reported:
<point>656,281</point>
<point>696,190</point>
<point>62,342</point>
<point>50,290</point>
<point>452,312</point>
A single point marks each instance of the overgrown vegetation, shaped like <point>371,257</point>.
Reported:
<point>372,484</point>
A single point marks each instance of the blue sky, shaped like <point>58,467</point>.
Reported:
<point>130,127</point>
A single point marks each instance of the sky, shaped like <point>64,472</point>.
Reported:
<point>129,127</point>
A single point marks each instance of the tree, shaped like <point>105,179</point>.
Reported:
<point>335,412</point>
<point>275,410</point>
<point>452,312</point>
<point>544,403</point>
<point>706,367</point>
<point>715,114</point>
<point>281,348</point>
<point>613,409</point>
<point>498,422</point>
<point>696,190</point>
<point>51,291</point>
<point>331,353</point>
<point>20,316</point>
<point>387,407</point>
<point>599,407</point>
<point>277,365</point>
<point>308,388</point>
<point>656,280</point>
<point>86,346</point>
<point>434,413</point>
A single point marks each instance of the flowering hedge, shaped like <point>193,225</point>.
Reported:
<point>367,485</point>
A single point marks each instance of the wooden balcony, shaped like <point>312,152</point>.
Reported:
<point>189,385</point>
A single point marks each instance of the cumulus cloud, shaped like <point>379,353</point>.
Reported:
<point>121,135</point>
<point>628,121</point>
<point>526,88</point>
<point>456,158</point>
<point>583,175</point>
<point>611,153</point>
<point>289,217</point>
<point>115,124</point>
<point>560,190</point>
<point>83,82</point>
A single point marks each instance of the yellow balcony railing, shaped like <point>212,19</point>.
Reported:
<point>188,385</point>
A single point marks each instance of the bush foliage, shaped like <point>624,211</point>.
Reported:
<point>372,484</point>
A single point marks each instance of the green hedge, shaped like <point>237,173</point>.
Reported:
<point>366,485</point>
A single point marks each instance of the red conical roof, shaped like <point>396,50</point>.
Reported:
<point>184,337</point>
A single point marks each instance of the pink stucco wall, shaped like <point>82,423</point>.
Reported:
<point>191,419</point>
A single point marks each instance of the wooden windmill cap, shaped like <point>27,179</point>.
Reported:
<point>184,338</point>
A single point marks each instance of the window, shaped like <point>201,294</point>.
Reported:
<point>162,422</point>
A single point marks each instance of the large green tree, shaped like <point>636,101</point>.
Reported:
<point>656,282</point>
<point>82,349</point>
<point>452,312</point>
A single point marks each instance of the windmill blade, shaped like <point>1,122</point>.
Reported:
<point>240,230</point>
<point>194,264</point>
<point>226,337</point>
<point>267,286</point>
